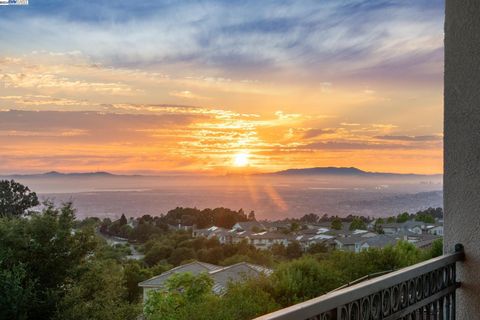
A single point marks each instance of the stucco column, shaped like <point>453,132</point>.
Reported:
<point>462,147</point>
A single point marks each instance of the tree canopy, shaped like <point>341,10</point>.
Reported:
<point>15,198</point>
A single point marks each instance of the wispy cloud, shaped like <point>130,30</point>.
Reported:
<point>183,85</point>
<point>247,39</point>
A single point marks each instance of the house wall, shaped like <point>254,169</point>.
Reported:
<point>462,147</point>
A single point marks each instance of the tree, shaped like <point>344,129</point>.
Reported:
<point>303,279</point>
<point>133,274</point>
<point>97,294</point>
<point>278,249</point>
<point>182,290</point>
<point>251,216</point>
<point>181,254</point>
<point>157,253</point>
<point>294,250</point>
<point>294,226</point>
<point>317,248</point>
<point>16,293</point>
<point>357,224</point>
<point>436,249</point>
<point>336,224</point>
<point>50,252</point>
<point>15,199</point>
<point>310,218</point>
<point>403,217</point>
<point>246,300</point>
<point>123,220</point>
<point>377,227</point>
<point>424,217</point>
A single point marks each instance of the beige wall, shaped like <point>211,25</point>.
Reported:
<point>462,147</point>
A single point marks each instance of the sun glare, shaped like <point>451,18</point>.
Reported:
<point>240,160</point>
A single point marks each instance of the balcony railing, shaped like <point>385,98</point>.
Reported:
<point>422,291</point>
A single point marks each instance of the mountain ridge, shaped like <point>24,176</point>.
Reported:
<point>343,171</point>
<point>312,171</point>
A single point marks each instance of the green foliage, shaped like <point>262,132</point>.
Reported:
<point>336,224</point>
<point>15,199</point>
<point>406,253</point>
<point>378,226</point>
<point>51,270</point>
<point>182,292</point>
<point>160,268</point>
<point>133,274</point>
<point>357,223</point>
<point>317,248</point>
<point>310,218</point>
<point>391,220</point>
<point>235,259</point>
<point>16,292</point>
<point>436,250</point>
<point>278,249</point>
<point>116,252</point>
<point>156,253</point>
<point>212,255</point>
<point>303,279</point>
<point>246,300</point>
<point>294,226</point>
<point>292,282</point>
<point>123,220</point>
<point>434,212</point>
<point>49,251</point>
<point>97,293</point>
<point>181,254</point>
<point>424,217</point>
<point>403,217</point>
<point>294,250</point>
<point>220,217</point>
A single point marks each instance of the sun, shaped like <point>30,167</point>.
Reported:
<point>240,159</point>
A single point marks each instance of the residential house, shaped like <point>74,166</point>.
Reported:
<point>397,227</point>
<point>254,226</point>
<point>221,276</point>
<point>224,236</point>
<point>235,273</point>
<point>358,243</point>
<point>266,239</point>
<point>158,282</point>
<point>277,226</point>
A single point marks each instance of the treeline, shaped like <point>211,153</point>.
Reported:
<point>220,217</point>
<point>427,215</point>
<point>145,227</point>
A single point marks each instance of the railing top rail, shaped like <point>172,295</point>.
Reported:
<point>336,298</point>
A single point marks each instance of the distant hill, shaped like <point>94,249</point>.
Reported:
<point>305,172</point>
<point>56,174</point>
<point>342,171</point>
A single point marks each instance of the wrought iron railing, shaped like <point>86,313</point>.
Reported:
<point>422,291</point>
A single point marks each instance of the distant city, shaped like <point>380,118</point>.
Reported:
<point>291,193</point>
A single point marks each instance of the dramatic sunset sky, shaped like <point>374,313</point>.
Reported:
<point>215,86</point>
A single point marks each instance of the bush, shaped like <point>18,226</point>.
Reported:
<point>303,279</point>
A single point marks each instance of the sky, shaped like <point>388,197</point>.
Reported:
<point>221,86</point>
